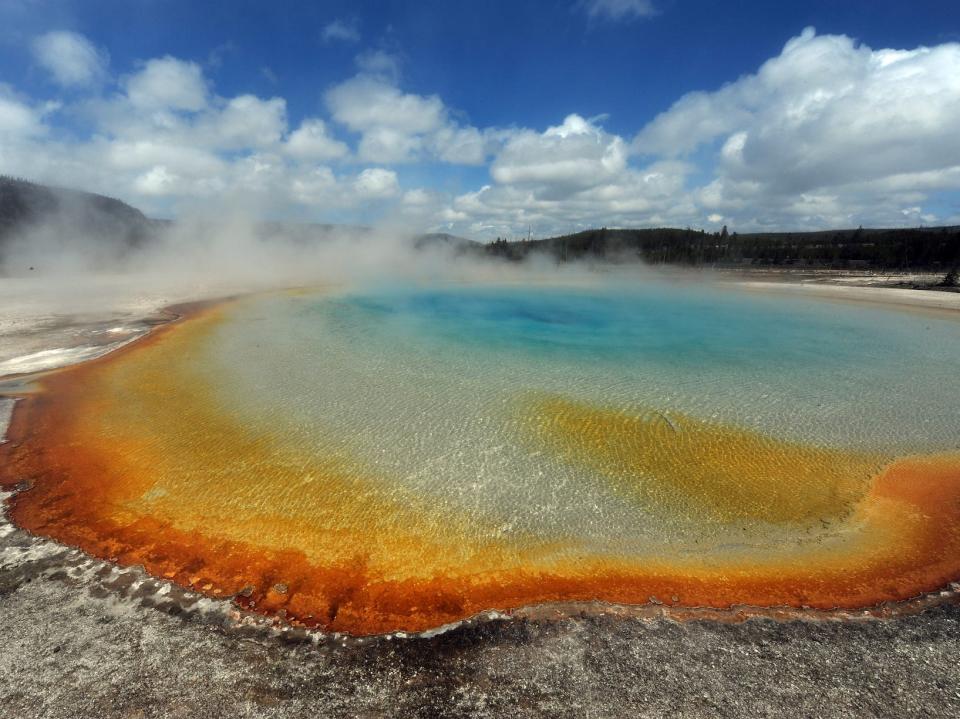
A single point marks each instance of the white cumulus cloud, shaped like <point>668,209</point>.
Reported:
<point>17,119</point>
<point>70,58</point>
<point>397,126</point>
<point>377,183</point>
<point>363,103</point>
<point>573,155</point>
<point>168,83</point>
<point>825,112</point>
<point>312,141</point>
<point>246,121</point>
<point>827,133</point>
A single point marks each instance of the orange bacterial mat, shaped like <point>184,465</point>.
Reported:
<point>135,458</point>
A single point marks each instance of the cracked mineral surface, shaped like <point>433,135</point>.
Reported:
<point>83,639</point>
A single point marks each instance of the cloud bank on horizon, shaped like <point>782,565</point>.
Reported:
<point>827,133</point>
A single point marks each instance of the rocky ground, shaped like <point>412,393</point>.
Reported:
<point>81,638</point>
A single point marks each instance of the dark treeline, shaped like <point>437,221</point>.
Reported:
<point>26,205</point>
<point>881,249</point>
<point>74,215</point>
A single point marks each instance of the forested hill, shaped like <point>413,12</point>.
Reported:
<point>901,249</point>
<point>116,227</point>
<point>26,206</point>
<point>33,212</point>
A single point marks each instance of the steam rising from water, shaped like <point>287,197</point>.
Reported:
<point>63,287</point>
<point>56,268</point>
<point>226,246</point>
<point>640,413</point>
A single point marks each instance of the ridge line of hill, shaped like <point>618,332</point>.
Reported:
<point>120,227</point>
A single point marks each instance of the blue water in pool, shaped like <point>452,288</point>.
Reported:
<point>658,325</point>
<point>426,385</point>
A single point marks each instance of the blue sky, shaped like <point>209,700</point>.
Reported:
<point>489,118</point>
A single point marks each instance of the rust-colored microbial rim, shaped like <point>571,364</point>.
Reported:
<point>85,491</point>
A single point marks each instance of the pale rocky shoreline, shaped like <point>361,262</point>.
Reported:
<point>904,291</point>
<point>82,638</point>
<point>79,642</point>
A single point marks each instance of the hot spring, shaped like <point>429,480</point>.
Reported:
<point>399,458</point>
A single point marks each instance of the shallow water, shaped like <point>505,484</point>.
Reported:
<point>428,386</point>
<point>797,369</point>
<point>404,457</point>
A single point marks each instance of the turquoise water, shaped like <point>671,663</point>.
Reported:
<point>653,324</point>
<point>800,369</point>
<point>425,385</point>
